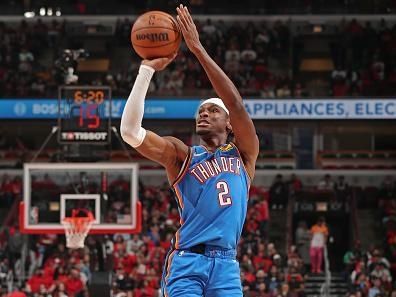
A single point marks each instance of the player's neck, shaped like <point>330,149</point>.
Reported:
<point>212,143</point>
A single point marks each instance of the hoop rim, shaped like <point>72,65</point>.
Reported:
<point>75,211</point>
<point>76,219</point>
<point>76,224</point>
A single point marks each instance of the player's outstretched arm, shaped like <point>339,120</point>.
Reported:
<point>242,126</point>
<point>167,151</point>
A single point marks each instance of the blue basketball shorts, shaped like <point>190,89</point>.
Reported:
<point>214,273</point>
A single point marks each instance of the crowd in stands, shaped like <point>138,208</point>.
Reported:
<point>370,273</point>
<point>281,189</point>
<point>387,207</point>
<point>364,56</point>
<point>241,50</point>
<point>22,72</point>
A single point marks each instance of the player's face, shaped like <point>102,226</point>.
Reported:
<point>212,119</point>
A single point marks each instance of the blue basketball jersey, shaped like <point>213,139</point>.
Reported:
<point>212,193</point>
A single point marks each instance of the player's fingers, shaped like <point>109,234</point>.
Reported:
<point>179,13</point>
<point>187,21</point>
<point>185,27</point>
<point>181,24</point>
<point>182,17</point>
<point>184,14</point>
<point>181,8</point>
<point>188,15</point>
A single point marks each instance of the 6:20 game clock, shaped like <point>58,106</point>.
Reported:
<point>84,114</point>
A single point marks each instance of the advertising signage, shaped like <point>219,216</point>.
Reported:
<point>259,109</point>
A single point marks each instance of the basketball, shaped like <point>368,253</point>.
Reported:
<point>155,34</point>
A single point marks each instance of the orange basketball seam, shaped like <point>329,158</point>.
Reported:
<point>156,27</point>
<point>152,46</point>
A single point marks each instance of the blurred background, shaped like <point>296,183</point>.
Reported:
<point>319,80</point>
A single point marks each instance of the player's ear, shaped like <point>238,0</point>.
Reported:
<point>228,126</point>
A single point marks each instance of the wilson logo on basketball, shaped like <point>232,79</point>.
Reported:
<point>153,37</point>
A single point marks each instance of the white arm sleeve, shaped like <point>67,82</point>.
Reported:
<point>131,120</point>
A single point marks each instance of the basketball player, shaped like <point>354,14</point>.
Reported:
<point>211,180</point>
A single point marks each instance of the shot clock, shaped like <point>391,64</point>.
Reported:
<point>84,114</point>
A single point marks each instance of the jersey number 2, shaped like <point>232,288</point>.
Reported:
<point>223,193</point>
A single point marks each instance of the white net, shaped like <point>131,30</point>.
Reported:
<point>76,230</point>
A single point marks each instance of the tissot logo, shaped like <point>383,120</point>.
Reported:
<point>153,37</point>
<point>84,136</point>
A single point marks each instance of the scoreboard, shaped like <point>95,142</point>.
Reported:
<point>84,114</point>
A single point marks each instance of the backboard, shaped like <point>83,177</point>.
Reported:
<point>53,190</point>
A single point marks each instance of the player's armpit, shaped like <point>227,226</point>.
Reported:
<point>168,151</point>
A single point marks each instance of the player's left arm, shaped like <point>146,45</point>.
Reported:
<point>242,125</point>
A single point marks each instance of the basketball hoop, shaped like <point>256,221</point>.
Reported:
<point>77,228</point>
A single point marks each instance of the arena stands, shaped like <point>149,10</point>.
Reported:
<point>252,53</point>
<point>363,68</point>
<point>28,71</point>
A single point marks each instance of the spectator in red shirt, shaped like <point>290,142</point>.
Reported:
<point>35,281</point>
<point>17,186</point>
<point>60,275</point>
<point>263,214</point>
<point>295,184</point>
<point>119,244</point>
<point>259,260</point>
<point>128,261</point>
<point>295,279</point>
<point>165,244</point>
<point>147,290</point>
<point>251,224</point>
<point>340,89</point>
<point>74,285</point>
